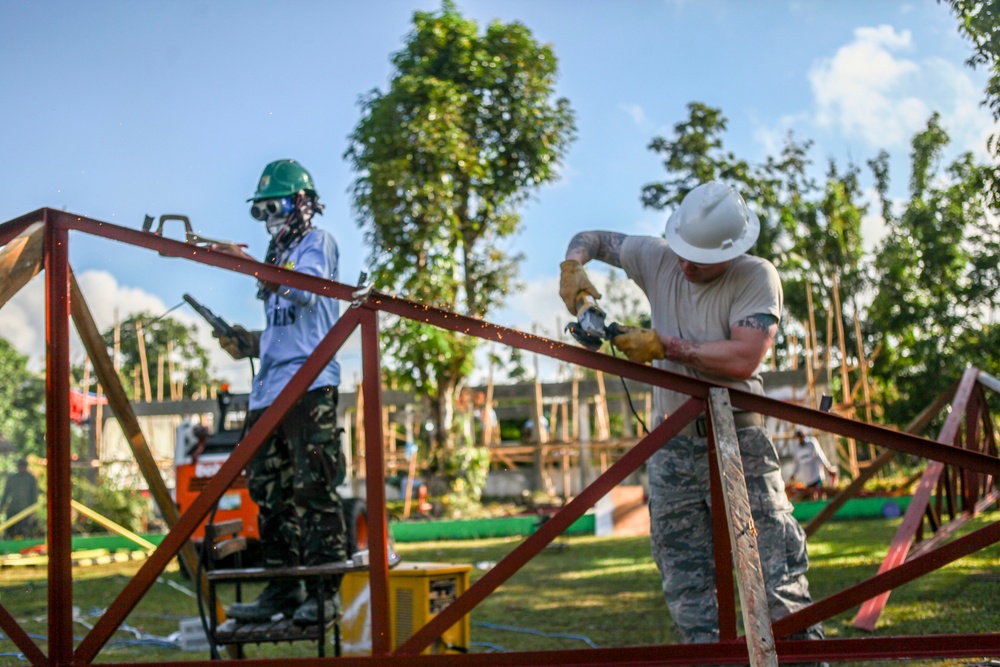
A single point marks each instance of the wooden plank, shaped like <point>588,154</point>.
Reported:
<point>742,532</point>
<point>20,261</point>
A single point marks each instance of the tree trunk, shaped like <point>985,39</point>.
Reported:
<point>445,414</point>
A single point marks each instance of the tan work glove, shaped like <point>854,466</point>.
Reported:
<point>639,345</point>
<point>573,280</point>
<point>241,345</point>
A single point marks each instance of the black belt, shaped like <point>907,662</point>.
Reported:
<point>743,420</point>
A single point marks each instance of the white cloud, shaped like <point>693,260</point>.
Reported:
<point>635,112</point>
<point>23,322</point>
<point>867,90</point>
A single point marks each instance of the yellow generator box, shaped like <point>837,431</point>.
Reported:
<point>417,593</point>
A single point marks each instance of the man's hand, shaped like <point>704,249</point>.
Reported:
<point>639,345</point>
<point>573,280</point>
<point>241,340</point>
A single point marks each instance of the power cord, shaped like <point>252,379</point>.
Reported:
<point>628,396</point>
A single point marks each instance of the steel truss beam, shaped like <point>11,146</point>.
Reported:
<point>732,650</point>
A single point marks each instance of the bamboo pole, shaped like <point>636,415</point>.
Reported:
<point>144,366</point>
<point>852,447</point>
<point>359,423</point>
<point>812,323</point>
<point>170,371</point>
<point>538,414</point>
<point>564,424</point>
<point>603,418</point>
<point>159,377</point>
<point>99,426</point>
<point>488,426</point>
<point>575,422</point>
<point>553,423</point>
<point>118,345</point>
<point>111,525</point>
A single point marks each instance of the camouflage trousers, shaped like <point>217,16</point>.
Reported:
<point>293,479</point>
<point>681,533</point>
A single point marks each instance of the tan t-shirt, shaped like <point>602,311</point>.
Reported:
<point>702,312</point>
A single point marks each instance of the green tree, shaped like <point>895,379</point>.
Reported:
<point>936,275</point>
<point>980,22</point>
<point>22,403</point>
<point>467,131</point>
<point>160,335</point>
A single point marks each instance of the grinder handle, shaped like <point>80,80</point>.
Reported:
<point>583,300</point>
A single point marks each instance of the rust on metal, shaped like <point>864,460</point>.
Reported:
<point>974,458</point>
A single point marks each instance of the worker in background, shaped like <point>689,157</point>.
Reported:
<point>20,493</point>
<point>294,475</point>
<point>810,464</point>
<point>715,313</point>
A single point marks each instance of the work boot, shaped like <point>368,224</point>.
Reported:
<point>308,612</point>
<point>277,598</point>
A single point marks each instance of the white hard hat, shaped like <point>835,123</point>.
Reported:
<point>712,225</point>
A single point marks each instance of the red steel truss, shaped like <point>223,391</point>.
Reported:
<point>976,467</point>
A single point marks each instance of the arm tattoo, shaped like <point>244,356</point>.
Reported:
<point>683,351</point>
<point>760,322</point>
<point>604,246</point>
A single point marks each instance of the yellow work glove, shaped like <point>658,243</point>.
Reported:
<point>639,345</point>
<point>573,280</point>
<point>240,345</point>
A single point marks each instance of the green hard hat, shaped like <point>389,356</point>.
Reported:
<point>283,178</point>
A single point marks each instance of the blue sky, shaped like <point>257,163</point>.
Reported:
<point>115,110</point>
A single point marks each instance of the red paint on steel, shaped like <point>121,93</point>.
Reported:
<point>723,652</point>
<point>666,655</point>
<point>12,228</point>
<point>908,571</point>
<point>20,638</point>
<point>57,439</point>
<point>444,319</point>
<point>552,528</point>
<point>230,470</point>
<point>179,249</point>
<point>378,579</point>
<point>868,615</point>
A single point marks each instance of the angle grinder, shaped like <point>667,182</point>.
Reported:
<point>589,330</point>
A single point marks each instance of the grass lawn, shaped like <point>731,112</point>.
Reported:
<point>581,591</point>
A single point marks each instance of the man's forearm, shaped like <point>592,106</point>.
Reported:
<point>599,245</point>
<point>725,358</point>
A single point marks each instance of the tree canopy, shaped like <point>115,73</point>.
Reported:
<point>467,131</point>
<point>979,21</point>
<point>936,277</point>
<point>22,403</point>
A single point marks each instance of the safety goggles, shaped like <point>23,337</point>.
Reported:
<point>263,209</point>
